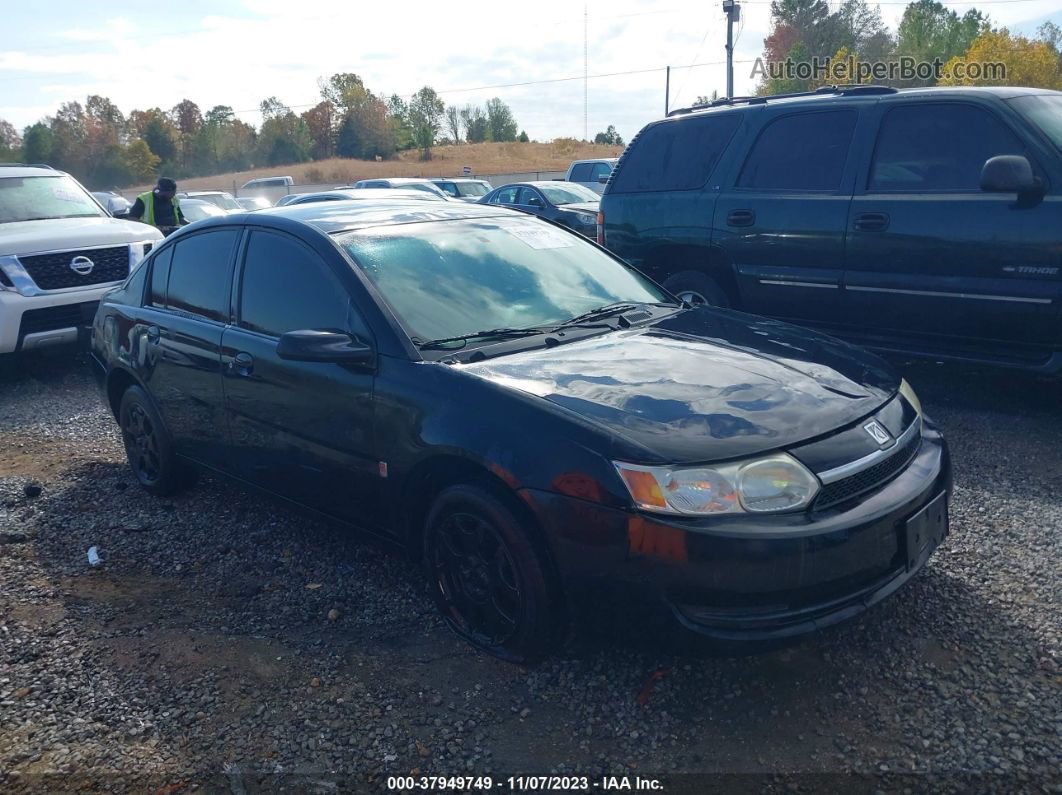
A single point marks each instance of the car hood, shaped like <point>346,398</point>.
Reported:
<point>590,207</point>
<point>57,234</point>
<point>703,384</point>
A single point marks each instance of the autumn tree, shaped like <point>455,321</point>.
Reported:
<point>929,30</point>
<point>425,115</point>
<point>10,142</point>
<point>1026,63</point>
<point>37,143</point>
<point>474,121</point>
<point>500,121</point>
<point>140,162</point>
<point>320,121</point>
<point>453,123</point>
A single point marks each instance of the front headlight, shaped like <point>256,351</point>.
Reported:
<point>764,485</point>
<point>909,394</point>
<point>585,218</point>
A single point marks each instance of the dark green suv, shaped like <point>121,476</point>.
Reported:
<point>926,221</point>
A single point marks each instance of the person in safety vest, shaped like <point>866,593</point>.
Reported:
<point>159,207</point>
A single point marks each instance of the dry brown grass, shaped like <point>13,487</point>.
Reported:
<point>486,158</point>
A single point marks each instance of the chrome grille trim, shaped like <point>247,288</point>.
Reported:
<point>867,461</point>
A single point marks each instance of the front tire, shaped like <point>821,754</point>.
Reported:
<point>487,577</point>
<point>697,288</point>
<point>148,446</point>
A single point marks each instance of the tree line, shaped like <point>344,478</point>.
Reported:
<point>104,148</point>
<point>928,30</point>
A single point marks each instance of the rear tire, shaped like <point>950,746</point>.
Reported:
<point>487,577</point>
<point>697,288</point>
<point>149,448</point>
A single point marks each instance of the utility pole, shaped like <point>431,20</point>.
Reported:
<point>667,92</point>
<point>586,105</point>
<point>733,14</point>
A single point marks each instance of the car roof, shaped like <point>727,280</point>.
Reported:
<point>205,192</point>
<point>365,194</point>
<point>396,180</point>
<point>540,183</point>
<point>456,179</point>
<point>595,160</point>
<point>21,170</point>
<point>829,95</point>
<point>331,217</point>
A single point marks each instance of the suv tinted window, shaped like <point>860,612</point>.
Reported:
<point>286,287</point>
<point>805,151</point>
<point>201,274</point>
<point>940,147</point>
<point>580,172</point>
<point>600,170</point>
<point>675,155</point>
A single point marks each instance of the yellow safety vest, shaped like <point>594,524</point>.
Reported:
<point>148,200</point>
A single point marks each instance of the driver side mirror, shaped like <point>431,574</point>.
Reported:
<point>312,345</point>
<point>1009,174</point>
<point>534,201</point>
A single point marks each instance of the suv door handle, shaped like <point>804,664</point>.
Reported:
<point>242,364</point>
<point>872,222</point>
<point>740,218</point>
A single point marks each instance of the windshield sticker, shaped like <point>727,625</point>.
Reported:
<point>540,237</point>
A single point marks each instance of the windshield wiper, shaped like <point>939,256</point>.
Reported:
<point>497,333</point>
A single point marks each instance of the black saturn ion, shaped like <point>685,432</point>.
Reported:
<point>546,428</point>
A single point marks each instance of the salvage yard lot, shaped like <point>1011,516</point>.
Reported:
<point>226,642</point>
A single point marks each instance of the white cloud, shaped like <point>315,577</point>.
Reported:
<point>277,47</point>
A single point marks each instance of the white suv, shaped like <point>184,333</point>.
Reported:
<point>60,251</point>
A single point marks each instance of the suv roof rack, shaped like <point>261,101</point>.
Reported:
<point>853,89</point>
<point>26,165</point>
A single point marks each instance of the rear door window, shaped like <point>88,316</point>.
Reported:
<point>600,170</point>
<point>580,172</point>
<point>678,154</point>
<point>800,152</point>
<point>937,148</point>
<point>201,274</point>
<point>160,274</point>
<point>505,196</point>
<point>287,287</point>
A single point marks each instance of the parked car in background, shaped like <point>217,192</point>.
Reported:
<point>406,183</point>
<point>268,182</point>
<point>571,205</point>
<point>197,210</point>
<point>549,431</point>
<point>924,220</point>
<point>59,252</point>
<point>253,202</point>
<point>272,188</point>
<point>223,199</point>
<point>365,194</point>
<point>469,190</point>
<point>114,203</point>
<point>287,198</point>
<point>592,174</point>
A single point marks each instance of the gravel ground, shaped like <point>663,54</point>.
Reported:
<point>227,644</point>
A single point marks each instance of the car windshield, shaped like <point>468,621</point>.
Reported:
<point>568,194</point>
<point>471,189</point>
<point>1045,111</point>
<point>222,200</point>
<point>197,211</point>
<point>445,279</point>
<point>38,198</point>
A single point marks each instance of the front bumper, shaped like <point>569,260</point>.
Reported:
<point>738,579</point>
<point>48,319</point>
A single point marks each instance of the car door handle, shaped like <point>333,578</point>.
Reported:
<point>740,218</point>
<point>872,222</point>
<point>242,364</point>
<point>153,335</point>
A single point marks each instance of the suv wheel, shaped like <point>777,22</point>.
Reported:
<point>486,576</point>
<point>697,288</point>
<point>148,446</point>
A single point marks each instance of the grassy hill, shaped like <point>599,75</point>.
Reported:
<point>485,158</point>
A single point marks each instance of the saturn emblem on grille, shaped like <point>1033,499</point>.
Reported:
<point>878,433</point>
<point>82,266</point>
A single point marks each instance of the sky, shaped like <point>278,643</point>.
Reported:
<point>237,52</point>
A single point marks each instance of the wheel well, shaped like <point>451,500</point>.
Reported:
<point>117,382</point>
<point>431,477</point>
<point>667,260</point>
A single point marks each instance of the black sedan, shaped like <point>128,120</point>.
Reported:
<point>564,202</point>
<point>539,423</point>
